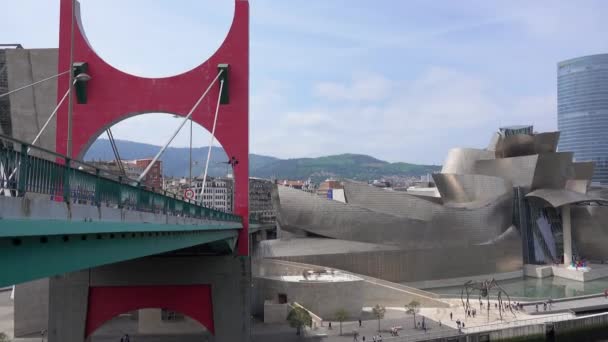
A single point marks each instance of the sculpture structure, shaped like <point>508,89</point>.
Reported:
<point>484,290</point>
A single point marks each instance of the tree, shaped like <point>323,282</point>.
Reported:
<point>341,316</point>
<point>379,312</point>
<point>3,337</point>
<point>298,318</point>
<point>413,308</point>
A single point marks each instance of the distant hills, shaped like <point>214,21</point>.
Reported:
<point>175,163</point>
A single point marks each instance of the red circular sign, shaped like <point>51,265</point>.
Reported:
<point>189,193</point>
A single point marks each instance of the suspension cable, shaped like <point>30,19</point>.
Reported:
<point>33,84</point>
<point>162,150</point>
<point>115,151</point>
<point>217,109</point>
<point>46,123</point>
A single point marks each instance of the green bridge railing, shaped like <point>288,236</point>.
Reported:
<point>30,169</point>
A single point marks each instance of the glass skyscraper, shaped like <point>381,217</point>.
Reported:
<point>582,110</point>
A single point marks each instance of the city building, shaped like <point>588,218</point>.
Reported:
<point>133,169</point>
<point>582,113</point>
<point>261,208</point>
<point>154,177</point>
<point>516,202</point>
<point>219,193</point>
<point>331,189</point>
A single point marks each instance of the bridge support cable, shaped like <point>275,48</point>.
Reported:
<point>42,130</point>
<point>162,150</point>
<point>217,109</point>
<point>33,84</point>
<point>115,150</point>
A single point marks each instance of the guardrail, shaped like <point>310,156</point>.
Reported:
<point>430,335</point>
<point>30,169</point>
<point>519,323</point>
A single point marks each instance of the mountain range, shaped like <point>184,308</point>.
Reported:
<point>175,163</point>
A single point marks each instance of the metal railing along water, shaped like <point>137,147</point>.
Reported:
<point>431,335</point>
<point>44,172</point>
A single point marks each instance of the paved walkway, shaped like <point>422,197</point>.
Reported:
<point>581,304</point>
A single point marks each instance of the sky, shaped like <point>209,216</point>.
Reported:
<point>398,80</point>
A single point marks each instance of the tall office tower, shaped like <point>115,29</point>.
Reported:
<point>582,111</point>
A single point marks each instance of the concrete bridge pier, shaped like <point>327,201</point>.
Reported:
<point>228,278</point>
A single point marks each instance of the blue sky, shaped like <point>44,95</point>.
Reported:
<point>399,80</point>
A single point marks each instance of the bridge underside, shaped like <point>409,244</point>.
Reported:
<point>73,312</point>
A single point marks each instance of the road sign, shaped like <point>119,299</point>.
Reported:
<point>189,194</point>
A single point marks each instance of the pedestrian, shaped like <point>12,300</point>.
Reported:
<point>451,313</point>
<point>359,322</point>
<point>439,323</point>
<point>127,338</point>
<point>463,325</point>
<point>374,338</point>
<point>544,306</point>
<point>363,339</point>
<point>379,338</point>
<point>468,313</point>
<point>329,325</point>
<point>536,307</point>
<point>355,336</point>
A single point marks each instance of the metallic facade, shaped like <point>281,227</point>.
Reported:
<point>582,97</point>
<point>495,211</point>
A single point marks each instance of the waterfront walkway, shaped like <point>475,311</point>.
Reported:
<point>576,304</point>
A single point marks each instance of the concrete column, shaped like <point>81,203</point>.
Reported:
<point>68,303</point>
<point>567,234</point>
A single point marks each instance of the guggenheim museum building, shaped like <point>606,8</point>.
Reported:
<point>518,201</point>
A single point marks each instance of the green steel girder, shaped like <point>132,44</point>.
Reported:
<point>26,227</point>
<point>25,258</point>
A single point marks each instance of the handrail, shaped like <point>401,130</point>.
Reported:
<point>50,173</point>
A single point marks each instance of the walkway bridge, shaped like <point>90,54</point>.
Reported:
<point>59,215</point>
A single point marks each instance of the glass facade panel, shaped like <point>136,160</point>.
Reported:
<point>582,111</point>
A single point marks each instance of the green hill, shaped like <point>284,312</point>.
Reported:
<point>175,163</point>
<point>353,166</point>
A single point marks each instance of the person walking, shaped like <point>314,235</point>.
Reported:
<point>329,325</point>
<point>452,319</point>
<point>359,322</point>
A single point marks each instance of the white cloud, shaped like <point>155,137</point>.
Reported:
<point>363,87</point>
<point>417,121</point>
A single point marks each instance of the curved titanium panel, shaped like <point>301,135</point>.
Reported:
<point>553,170</point>
<point>546,142</point>
<point>448,226</point>
<point>515,146</point>
<point>517,170</point>
<point>411,265</point>
<point>558,197</point>
<point>470,188</point>
<point>463,160</point>
<point>398,203</point>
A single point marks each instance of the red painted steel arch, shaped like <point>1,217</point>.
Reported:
<point>108,302</point>
<point>114,95</point>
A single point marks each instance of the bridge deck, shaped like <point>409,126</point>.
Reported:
<point>60,215</point>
